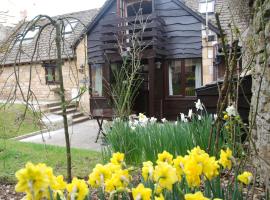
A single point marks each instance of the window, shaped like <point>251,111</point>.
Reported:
<point>134,8</point>
<point>207,6</point>
<point>69,27</point>
<point>51,74</point>
<point>96,77</point>
<point>29,36</point>
<point>184,77</point>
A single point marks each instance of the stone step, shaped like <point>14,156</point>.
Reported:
<point>68,111</point>
<point>80,119</point>
<point>58,108</point>
<point>76,115</point>
<point>53,104</point>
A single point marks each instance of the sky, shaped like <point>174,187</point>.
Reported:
<point>15,9</point>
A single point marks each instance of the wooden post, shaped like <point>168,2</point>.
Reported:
<point>151,63</point>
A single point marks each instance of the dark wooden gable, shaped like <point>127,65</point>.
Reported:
<point>183,30</point>
<point>94,44</point>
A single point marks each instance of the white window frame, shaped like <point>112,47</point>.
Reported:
<point>70,26</point>
<point>210,8</point>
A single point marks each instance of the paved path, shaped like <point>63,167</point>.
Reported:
<point>83,136</point>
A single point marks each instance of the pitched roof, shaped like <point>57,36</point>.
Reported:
<point>231,11</point>
<point>45,47</point>
<point>108,3</point>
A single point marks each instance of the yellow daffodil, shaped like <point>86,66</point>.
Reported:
<point>58,183</point>
<point>119,180</point>
<point>99,175</point>
<point>196,196</point>
<point>245,177</point>
<point>193,171</point>
<point>141,193</point>
<point>33,180</point>
<point>147,171</point>
<point>179,164</point>
<point>225,158</point>
<point>117,158</point>
<point>77,189</point>
<point>165,157</point>
<point>210,167</point>
<point>165,175</point>
<point>226,117</point>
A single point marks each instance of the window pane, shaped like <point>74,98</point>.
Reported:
<point>192,75</point>
<point>49,74</point>
<point>56,72</point>
<point>175,78</point>
<point>207,7</point>
<point>96,80</point>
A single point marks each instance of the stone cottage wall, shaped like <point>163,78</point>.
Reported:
<point>83,69</point>
<point>261,85</point>
<point>41,90</point>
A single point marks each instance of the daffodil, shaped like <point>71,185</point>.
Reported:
<point>141,193</point>
<point>77,189</point>
<point>165,157</point>
<point>231,111</point>
<point>119,180</point>
<point>226,117</point>
<point>196,196</point>
<point>165,175</point>
<point>58,183</point>
<point>225,158</point>
<point>117,158</point>
<point>179,164</point>
<point>245,177</point>
<point>199,105</point>
<point>210,168</point>
<point>99,175</point>
<point>193,171</point>
<point>147,171</point>
<point>33,180</point>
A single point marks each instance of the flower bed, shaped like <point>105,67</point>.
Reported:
<point>193,176</point>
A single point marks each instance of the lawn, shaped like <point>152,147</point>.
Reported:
<point>14,155</point>
<point>12,123</point>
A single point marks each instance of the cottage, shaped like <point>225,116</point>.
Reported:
<point>177,62</point>
<point>44,78</point>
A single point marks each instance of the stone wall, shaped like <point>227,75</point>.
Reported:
<point>261,79</point>
<point>75,74</point>
<point>41,90</point>
<point>84,79</point>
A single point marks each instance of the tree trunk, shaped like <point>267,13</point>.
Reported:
<point>63,100</point>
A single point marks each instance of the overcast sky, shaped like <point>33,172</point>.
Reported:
<point>16,8</point>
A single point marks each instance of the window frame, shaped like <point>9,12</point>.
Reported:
<point>70,24</point>
<point>102,96</point>
<point>183,79</point>
<point>54,68</point>
<point>208,1</point>
<point>29,36</point>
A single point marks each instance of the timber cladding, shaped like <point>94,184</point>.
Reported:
<point>176,33</point>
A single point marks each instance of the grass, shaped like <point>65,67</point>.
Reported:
<point>14,155</point>
<point>145,143</point>
<point>13,124</point>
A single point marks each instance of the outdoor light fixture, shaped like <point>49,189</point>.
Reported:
<point>81,69</point>
<point>158,65</point>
